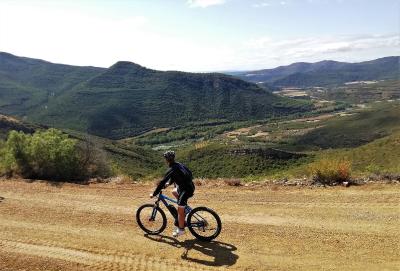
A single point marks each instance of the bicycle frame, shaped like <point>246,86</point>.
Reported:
<point>164,199</point>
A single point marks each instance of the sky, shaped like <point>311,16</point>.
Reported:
<point>200,35</point>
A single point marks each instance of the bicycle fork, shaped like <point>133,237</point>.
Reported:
<point>153,213</point>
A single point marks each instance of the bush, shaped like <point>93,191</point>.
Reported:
<point>233,182</point>
<point>330,171</point>
<point>93,159</point>
<point>48,155</point>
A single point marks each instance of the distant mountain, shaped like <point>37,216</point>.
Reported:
<point>324,73</point>
<point>127,99</point>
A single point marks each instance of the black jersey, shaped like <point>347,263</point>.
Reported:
<point>180,175</point>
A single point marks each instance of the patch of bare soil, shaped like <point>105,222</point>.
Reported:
<point>93,227</point>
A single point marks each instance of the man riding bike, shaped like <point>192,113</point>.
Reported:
<point>179,175</point>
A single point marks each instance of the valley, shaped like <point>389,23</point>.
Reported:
<point>129,114</point>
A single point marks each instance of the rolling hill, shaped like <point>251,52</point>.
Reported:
<point>324,73</point>
<point>127,99</point>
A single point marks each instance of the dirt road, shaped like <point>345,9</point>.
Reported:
<point>73,227</point>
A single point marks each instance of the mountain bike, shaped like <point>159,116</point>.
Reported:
<point>202,222</point>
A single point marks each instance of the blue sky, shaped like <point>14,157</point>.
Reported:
<point>200,35</point>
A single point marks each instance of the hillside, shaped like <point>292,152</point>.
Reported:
<point>379,156</point>
<point>128,99</point>
<point>8,124</point>
<point>325,73</point>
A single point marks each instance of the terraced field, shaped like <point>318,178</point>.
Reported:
<point>76,227</point>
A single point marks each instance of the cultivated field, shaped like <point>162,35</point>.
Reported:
<point>73,227</point>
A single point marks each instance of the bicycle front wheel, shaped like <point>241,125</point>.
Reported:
<point>151,219</point>
<point>204,223</point>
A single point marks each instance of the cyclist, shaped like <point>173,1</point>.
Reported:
<point>179,175</point>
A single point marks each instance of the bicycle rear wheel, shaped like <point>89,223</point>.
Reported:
<point>204,223</point>
<point>151,219</point>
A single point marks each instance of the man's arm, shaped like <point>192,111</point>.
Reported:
<point>161,185</point>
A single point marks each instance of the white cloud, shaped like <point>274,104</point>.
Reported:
<point>325,1</point>
<point>270,3</point>
<point>317,45</point>
<point>204,3</point>
<point>261,5</point>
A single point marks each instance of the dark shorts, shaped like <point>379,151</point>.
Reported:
<point>183,197</point>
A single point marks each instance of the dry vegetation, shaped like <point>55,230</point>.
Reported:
<point>92,227</point>
<point>330,171</point>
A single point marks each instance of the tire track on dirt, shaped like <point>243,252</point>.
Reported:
<point>106,261</point>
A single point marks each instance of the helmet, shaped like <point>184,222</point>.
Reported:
<point>169,155</point>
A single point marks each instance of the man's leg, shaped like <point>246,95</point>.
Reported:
<point>182,202</point>
<point>176,195</point>
<point>181,217</point>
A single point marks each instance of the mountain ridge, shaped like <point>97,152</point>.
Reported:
<point>127,98</point>
<point>324,73</point>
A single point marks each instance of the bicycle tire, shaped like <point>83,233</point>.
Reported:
<point>141,225</point>
<point>195,234</point>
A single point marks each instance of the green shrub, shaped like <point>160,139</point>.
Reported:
<point>48,155</point>
<point>330,171</point>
